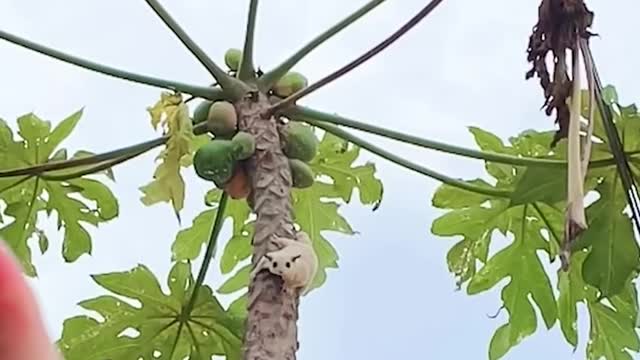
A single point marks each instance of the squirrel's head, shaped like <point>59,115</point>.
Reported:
<point>279,265</point>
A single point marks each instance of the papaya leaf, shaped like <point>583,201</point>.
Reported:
<point>71,212</point>
<point>614,254</point>
<point>612,327</point>
<point>238,307</point>
<point>335,159</point>
<point>604,259</point>
<point>59,134</point>
<point>11,151</point>
<point>463,256</point>
<point>533,225</point>
<point>237,248</point>
<point>156,329</point>
<point>572,290</point>
<point>609,94</point>
<point>236,282</point>
<point>168,185</point>
<point>540,184</point>
<point>612,333</point>
<point>25,214</point>
<point>93,202</point>
<point>189,241</point>
<point>315,215</point>
<point>521,264</point>
<point>487,141</point>
<point>34,131</point>
<point>449,197</point>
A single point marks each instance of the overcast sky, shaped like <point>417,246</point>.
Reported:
<point>392,296</point>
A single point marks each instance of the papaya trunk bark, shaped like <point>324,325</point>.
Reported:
<point>272,330</point>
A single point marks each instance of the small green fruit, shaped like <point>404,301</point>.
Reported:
<point>215,161</point>
<point>244,145</point>
<point>289,84</point>
<point>301,174</point>
<point>201,112</point>
<point>232,58</point>
<point>222,118</point>
<point>299,141</point>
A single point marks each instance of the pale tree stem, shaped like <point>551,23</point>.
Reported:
<point>575,222</point>
<point>272,310</point>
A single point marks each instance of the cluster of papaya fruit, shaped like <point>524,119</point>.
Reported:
<point>221,159</point>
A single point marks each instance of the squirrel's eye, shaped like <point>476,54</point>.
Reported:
<point>288,264</point>
<point>275,264</point>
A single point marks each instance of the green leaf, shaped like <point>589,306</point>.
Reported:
<point>107,206</point>
<point>520,263</point>
<point>71,212</point>
<point>572,291</point>
<point>236,282</point>
<point>34,131</point>
<point>315,215</point>
<point>489,142</point>
<point>208,331</point>
<point>238,248</point>
<point>540,184</point>
<point>59,155</point>
<point>76,201</point>
<point>239,306</point>
<point>612,328</point>
<point>472,222</point>
<point>533,226</point>
<point>21,229</point>
<point>614,254</point>
<point>60,133</point>
<point>612,333</point>
<point>335,159</point>
<point>449,197</point>
<point>189,241</point>
<point>610,95</point>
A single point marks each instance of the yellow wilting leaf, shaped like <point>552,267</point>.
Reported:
<point>168,185</point>
<point>166,105</point>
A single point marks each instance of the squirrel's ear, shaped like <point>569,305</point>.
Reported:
<point>295,258</point>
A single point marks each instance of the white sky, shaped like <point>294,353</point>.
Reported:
<point>463,66</point>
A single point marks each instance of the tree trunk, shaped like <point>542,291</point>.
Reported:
<point>271,332</point>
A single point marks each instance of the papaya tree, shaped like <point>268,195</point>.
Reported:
<point>276,168</point>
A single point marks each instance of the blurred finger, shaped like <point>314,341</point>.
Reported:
<point>22,332</point>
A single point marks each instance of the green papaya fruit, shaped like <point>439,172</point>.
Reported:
<point>215,161</point>
<point>290,83</point>
<point>301,174</point>
<point>222,119</point>
<point>232,58</point>
<point>201,112</point>
<point>299,141</point>
<point>244,145</point>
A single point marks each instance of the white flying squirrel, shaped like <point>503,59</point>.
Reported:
<point>295,262</point>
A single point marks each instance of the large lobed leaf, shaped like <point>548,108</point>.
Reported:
<point>77,202</point>
<point>605,260</point>
<point>157,328</point>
